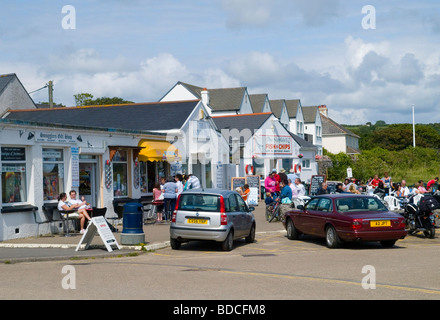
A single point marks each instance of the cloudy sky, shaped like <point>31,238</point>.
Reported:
<point>319,51</point>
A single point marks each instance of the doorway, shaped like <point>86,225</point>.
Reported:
<point>87,183</point>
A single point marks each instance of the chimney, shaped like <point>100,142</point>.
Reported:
<point>323,110</point>
<point>205,96</point>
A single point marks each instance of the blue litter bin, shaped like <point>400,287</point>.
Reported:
<point>132,224</point>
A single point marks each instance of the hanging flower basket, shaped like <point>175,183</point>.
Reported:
<point>300,155</point>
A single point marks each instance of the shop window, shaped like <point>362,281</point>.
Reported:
<point>120,170</point>
<point>53,173</point>
<point>13,164</point>
<point>306,164</point>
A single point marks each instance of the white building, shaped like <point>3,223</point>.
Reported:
<point>105,153</point>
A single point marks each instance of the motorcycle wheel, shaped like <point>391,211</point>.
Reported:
<point>429,233</point>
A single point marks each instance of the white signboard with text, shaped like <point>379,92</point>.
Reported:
<point>98,224</point>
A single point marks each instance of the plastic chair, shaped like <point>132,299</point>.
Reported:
<point>119,210</point>
<point>97,212</point>
<point>39,221</point>
<point>392,202</point>
<point>50,219</point>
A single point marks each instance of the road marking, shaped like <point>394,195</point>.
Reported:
<point>346,282</point>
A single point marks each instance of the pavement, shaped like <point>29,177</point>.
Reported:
<point>59,247</point>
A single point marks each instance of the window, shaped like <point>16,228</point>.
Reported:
<point>324,205</point>
<point>53,173</point>
<point>120,170</point>
<point>197,202</point>
<point>241,204</point>
<point>311,205</point>
<point>13,174</point>
<point>306,163</point>
<point>233,205</point>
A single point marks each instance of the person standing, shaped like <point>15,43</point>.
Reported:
<point>179,178</point>
<point>157,201</point>
<point>293,188</point>
<point>169,197</point>
<point>278,180</point>
<point>269,183</point>
<point>387,183</point>
<point>300,187</point>
<point>193,182</point>
<point>245,193</point>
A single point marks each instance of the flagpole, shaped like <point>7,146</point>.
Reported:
<point>414,128</point>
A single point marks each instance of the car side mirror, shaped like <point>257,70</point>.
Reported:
<point>300,207</point>
<point>251,209</point>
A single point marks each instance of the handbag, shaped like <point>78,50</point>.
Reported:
<point>160,198</point>
<point>286,201</point>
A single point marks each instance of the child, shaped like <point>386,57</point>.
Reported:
<point>269,198</point>
<point>245,192</point>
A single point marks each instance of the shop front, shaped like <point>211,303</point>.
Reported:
<point>157,159</point>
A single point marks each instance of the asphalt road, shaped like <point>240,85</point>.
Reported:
<point>272,268</point>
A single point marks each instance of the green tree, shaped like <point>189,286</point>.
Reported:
<point>86,99</point>
<point>83,99</point>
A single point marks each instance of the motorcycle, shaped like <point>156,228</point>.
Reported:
<point>420,217</point>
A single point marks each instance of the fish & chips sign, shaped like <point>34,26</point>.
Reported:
<point>273,145</point>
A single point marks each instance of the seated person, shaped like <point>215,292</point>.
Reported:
<point>81,206</point>
<point>380,190</point>
<point>323,189</point>
<point>353,189</point>
<point>269,199</point>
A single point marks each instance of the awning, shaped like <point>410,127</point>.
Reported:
<point>158,151</point>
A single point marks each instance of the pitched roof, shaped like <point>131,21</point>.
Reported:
<point>302,143</point>
<point>223,99</point>
<point>292,107</point>
<point>155,116</point>
<point>330,127</point>
<point>277,107</point>
<point>309,114</point>
<point>240,122</point>
<point>257,101</point>
<point>5,79</point>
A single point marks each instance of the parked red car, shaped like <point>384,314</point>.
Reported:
<point>345,217</point>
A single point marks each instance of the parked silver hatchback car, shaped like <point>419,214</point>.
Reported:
<point>211,214</point>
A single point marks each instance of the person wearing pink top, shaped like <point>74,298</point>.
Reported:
<point>270,183</point>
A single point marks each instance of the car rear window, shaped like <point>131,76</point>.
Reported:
<point>359,204</point>
<point>199,202</point>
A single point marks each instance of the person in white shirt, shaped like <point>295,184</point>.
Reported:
<point>300,187</point>
<point>293,187</point>
<point>194,182</point>
<point>404,190</point>
<point>178,177</point>
<point>65,205</point>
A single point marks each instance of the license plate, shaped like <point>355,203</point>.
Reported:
<point>198,221</point>
<point>380,223</point>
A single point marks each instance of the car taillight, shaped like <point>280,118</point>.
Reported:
<point>356,224</point>
<point>173,217</point>
<point>402,224</point>
<point>223,216</point>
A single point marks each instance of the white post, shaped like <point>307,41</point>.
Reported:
<point>414,128</point>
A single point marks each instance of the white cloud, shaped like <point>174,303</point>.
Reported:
<point>263,13</point>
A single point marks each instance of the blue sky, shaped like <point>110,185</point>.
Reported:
<point>313,50</point>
